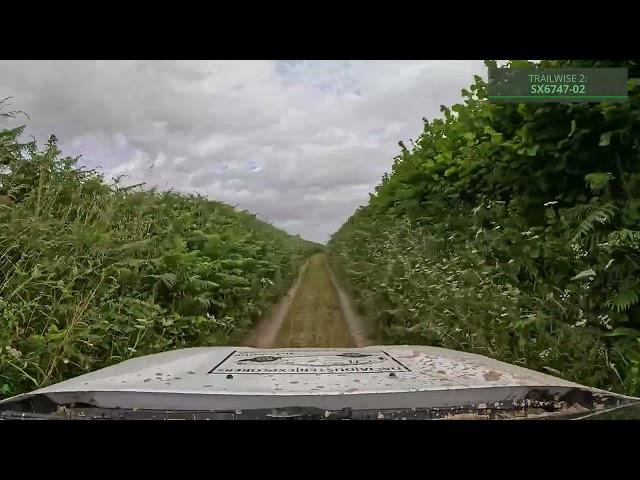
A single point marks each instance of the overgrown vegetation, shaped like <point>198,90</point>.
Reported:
<point>513,231</point>
<point>92,273</point>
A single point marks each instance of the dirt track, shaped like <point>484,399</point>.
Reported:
<point>315,313</point>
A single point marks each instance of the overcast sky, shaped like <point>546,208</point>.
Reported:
<point>300,143</point>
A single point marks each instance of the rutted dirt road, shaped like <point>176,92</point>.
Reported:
<point>315,313</point>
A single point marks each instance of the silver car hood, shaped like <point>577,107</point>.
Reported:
<point>241,378</point>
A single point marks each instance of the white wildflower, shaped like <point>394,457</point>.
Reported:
<point>604,321</point>
<point>13,352</point>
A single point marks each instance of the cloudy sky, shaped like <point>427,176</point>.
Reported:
<point>300,143</point>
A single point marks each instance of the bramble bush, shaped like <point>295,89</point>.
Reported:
<point>513,231</point>
<point>92,273</point>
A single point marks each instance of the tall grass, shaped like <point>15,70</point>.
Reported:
<point>92,273</point>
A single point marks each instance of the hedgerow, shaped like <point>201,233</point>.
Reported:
<point>511,230</point>
<point>92,272</point>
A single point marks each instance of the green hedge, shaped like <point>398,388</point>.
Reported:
<point>92,273</point>
<point>511,230</point>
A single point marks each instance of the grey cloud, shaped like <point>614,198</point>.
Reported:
<point>300,143</point>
